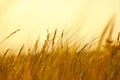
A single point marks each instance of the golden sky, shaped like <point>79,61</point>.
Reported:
<point>33,17</point>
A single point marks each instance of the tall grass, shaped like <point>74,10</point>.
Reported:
<point>58,59</point>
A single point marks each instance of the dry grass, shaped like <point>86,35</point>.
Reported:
<point>58,60</point>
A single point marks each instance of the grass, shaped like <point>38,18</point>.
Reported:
<point>62,59</point>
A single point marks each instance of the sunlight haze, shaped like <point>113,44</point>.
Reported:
<point>34,17</point>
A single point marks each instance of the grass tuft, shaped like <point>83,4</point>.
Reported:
<point>62,59</point>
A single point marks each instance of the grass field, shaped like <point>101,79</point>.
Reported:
<point>60,59</point>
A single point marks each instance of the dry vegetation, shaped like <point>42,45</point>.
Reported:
<point>58,59</point>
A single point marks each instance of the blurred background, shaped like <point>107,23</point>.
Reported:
<point>34,17</point>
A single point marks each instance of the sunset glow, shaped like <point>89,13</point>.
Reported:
<point>34,17</point>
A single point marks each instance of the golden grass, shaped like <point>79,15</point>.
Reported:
<point>59,60</point>
<point>9,35</point>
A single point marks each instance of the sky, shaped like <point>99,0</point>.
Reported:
<point>34,17</point>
